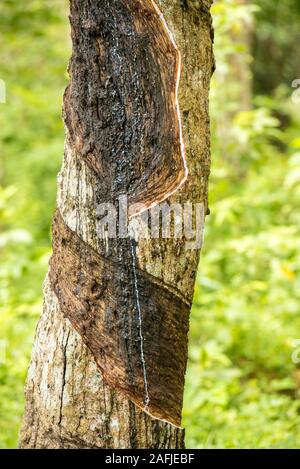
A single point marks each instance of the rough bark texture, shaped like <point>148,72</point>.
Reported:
<point>126,124</point>
<point>86,385</point>
<point>102,308</point>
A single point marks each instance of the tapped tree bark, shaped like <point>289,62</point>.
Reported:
<point>109,359</point>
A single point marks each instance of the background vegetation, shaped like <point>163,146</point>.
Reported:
<point>242,385</point>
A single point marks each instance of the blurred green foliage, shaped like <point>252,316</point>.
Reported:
<point>276,44</point>
<point>242,386</point>
<point>33,58</point>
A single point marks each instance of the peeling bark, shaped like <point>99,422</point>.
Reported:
<point>121,108</point>
<point>108,365</point>
<point>102,308</point>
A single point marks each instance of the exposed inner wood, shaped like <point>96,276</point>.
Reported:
<point>121,108</point>
<point>97,295</point>
<point>69,405</point>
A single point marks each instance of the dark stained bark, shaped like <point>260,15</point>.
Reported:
<point>121,107</point>
<point>109,360</point>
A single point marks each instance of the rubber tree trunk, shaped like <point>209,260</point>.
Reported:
<point>110,352</point>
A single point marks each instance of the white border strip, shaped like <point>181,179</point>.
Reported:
<point>182,146</point>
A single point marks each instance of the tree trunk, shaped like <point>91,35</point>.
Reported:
<point>108,364</point>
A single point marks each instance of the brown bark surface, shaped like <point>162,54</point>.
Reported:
<point>97,378</point>
<point>102,308</point>
<point>121,107</point>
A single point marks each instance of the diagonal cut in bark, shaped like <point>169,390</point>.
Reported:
<point>124,119</point>
<point>97,295</point>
